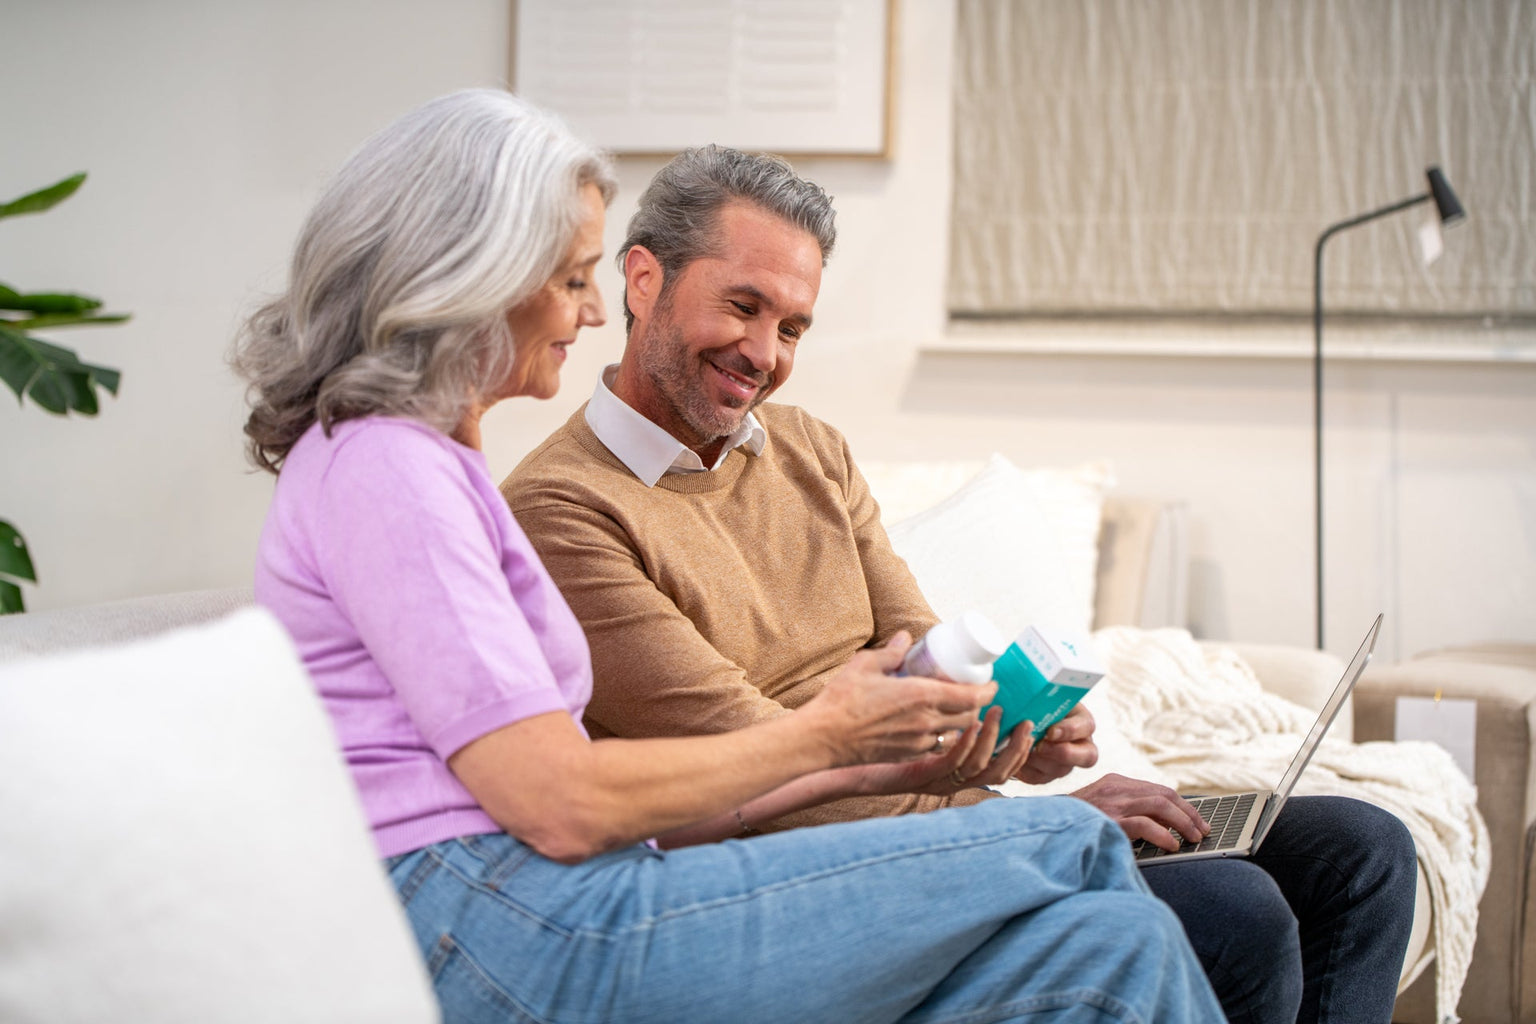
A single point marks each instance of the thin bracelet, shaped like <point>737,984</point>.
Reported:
<point>746,829</point>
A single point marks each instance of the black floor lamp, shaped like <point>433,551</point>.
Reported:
<point>1450,212</point>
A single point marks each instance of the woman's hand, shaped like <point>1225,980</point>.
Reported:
<point>970,764</point>
<point>865,715</point>
<point>1067,745</point>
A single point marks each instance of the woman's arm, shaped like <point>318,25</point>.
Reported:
<point>965,764</point>
<point>569,798</point>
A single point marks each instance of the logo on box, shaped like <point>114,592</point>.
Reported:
<point>1041,677</point>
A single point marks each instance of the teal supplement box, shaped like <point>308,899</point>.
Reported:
<point>1041,677</point>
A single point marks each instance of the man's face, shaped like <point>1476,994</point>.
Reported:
<point>722,338</point>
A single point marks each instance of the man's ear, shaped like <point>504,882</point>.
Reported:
<point>642,281</point>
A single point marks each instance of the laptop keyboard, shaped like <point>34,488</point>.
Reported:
<point>1226,816</point>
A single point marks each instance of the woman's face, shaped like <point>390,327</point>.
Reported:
<point>545,325</point>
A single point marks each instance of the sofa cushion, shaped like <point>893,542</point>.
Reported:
<point>114,622</point>
<point>1021,547</point>
<point>181,841</point>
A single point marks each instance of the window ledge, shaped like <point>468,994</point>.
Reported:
<point>1458,341</point>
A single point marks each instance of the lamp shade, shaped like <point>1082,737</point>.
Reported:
<point>1445,200</point>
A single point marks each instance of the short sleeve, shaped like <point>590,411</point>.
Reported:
<point>417,560</point>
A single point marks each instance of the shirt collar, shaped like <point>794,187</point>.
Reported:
<point>649,451</point>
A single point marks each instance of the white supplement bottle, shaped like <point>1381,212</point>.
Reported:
<point>962,650</point>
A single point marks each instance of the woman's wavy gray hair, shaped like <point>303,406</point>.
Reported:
<point>679,210</point>
<point>407,266</point>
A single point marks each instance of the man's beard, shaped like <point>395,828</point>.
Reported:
<point>675,371</point>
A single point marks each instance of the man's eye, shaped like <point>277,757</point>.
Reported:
<point>790,333</point>
<point>743,308</point>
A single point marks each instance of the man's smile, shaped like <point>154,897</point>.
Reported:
<point>742,385</point>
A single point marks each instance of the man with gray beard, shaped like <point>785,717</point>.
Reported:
<point>725,558</point>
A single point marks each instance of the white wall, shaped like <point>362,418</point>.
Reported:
<point>208,126</point>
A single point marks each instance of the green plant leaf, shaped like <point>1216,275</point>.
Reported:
<point>15,561</point>
<point>10,599</point>
<point>15,565</point>
<point>17,368</point>
<point>47,302</point>
<point>52,309</point>
<point>68,361</point>
<point>79,395</point>
<point>105,377</point>
<point>43,198</point>
<point>54,377</point>
<point>48,391</point>
<point>36,323</point>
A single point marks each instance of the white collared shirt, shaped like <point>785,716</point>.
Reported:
<point>649,451</point>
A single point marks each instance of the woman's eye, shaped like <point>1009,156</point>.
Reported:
<point>575,286</point>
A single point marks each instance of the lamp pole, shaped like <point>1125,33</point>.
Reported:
<point>1450,211</point>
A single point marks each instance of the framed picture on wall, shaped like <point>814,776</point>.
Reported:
<point>797,77</point>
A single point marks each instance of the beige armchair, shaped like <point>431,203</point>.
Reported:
<point>1501,679</point>
<point>1143,581</point>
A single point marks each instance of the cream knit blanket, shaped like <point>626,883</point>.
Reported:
<point>1198,720</point>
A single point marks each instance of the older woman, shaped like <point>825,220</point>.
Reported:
<point>449,266</point>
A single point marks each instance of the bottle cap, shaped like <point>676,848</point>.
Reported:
<point>978,638</point>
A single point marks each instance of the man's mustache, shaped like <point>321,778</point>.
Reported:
<point>741,367</point>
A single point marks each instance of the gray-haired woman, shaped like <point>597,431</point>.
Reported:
<point>447,267</point>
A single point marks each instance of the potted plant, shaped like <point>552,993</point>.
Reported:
<point>52,376</point>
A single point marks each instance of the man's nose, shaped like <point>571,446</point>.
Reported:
<point>761,346</point>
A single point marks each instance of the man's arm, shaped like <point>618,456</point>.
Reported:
<point>894,596</point>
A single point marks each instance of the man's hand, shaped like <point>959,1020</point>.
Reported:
<point>968,765</point>
<point>1145,810</point>
<point>1068,745</point>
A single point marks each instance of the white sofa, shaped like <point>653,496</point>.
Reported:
<point>180,839</point>
<point>1132,550</point>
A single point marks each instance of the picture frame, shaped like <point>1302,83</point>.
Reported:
<point>653,77</point>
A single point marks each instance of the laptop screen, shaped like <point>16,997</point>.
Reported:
<point>1324,720</point>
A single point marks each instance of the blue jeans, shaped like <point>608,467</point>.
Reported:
<point>1313,927</point>
<point>1015,910</point>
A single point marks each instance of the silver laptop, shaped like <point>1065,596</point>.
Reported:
<point>1240,821</point>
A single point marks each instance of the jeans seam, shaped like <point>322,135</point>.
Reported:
<point>668,917</point>
<point>451,948</point>
<point>494,893</point>
<point>425,868</point>
<point>1096,998</point>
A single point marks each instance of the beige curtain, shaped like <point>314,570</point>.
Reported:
<point>1182,156</point>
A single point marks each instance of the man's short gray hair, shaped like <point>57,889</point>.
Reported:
<point>678,213</point>
<point>405,271</point>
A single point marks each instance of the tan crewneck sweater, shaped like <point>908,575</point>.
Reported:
<point>715,600</point>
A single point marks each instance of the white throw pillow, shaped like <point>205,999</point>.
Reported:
<point>180,841</point>
<point>1021,547</point>
<point>904,489</point>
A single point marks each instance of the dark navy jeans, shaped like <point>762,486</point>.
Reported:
<point>1312,928</point>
